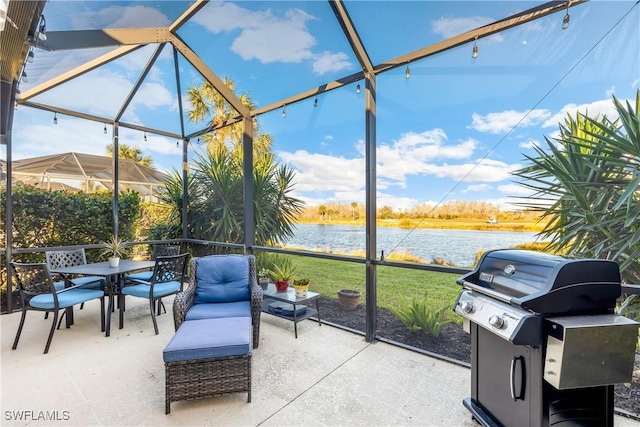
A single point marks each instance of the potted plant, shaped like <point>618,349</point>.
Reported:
<point>348,299</point>
<point>263,278</point>
<point>301,285</point>
<point>115,249</point>
<point>281,274</point>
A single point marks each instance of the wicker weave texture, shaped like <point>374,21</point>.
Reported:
<point>197,379</point>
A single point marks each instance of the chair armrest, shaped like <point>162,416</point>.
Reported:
<point>182,302</point>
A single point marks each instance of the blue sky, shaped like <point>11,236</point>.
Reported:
<point>453,131</point>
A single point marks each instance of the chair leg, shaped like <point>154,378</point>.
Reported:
<point>15,342</point>
<point>161,307</point>
<point>102,314</point>
<point>53,329</point>
<point>121,310</point>
<point>152,307</point>
<point>81,306</point>
<point>62,317</point>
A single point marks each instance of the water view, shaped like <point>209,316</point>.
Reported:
<point>457,247</point>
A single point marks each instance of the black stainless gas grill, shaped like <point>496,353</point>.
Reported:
<point>546,348</point>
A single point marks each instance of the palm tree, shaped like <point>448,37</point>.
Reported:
<point>207,104</point>
<point>215,180</point>
<point>215,208</point>
<point>131,153</point>
<point>587,182</point>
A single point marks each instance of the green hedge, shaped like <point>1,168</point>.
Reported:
<point>43,218</point>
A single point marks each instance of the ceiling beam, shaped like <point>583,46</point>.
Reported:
<point>140,80</point>
<point>78,71</point>
<point>480,32</point>
<point>99,119</point>
<point>209,75</point>
<point>89,39</point>
<point>352,34</point>
<point>188,14</point>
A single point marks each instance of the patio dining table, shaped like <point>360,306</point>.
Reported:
<point>113,276</point>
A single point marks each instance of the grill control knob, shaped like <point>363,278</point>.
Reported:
<point>496,321</point>
<point>466,306</point>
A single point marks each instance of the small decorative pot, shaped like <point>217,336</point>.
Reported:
<point>264,282</point>
<point>301,291</point>
<point>348,299</point>
<point>114,261</point>
<point>282,286</point>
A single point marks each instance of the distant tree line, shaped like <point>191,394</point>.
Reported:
<point>455,209</point>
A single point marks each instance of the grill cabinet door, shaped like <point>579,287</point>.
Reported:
<point>503,371</point>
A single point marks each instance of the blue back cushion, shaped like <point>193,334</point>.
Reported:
<point>222,278</point>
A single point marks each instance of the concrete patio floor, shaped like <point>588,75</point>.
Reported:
<point>326,377</point>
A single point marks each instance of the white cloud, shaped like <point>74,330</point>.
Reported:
<point>413,154</point>
<point>398,203</point>
<point>505,121</point>
<point>485,171</point>
<point>603,107</point>
<point>320,172</point>
<point>530,143</point>
<point>328,62</point>
<point>450,27</point>
<point>476,188</point>
<point>515,190</point>
<point>268,37</point>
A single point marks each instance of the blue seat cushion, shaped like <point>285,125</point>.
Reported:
<point>209,338</point>
<point>219,310</point>
<point>159,289</point>
<point>65,299</point>
<point>93,282</point>
<point>222,278</point>
<point>143,275</point>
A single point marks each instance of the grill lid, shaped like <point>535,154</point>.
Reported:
<point>545,283</point>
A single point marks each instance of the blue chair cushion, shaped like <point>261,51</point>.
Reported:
<point>218,310</point>
<point>89,281</point>
<point>222,278</point>
<point>159,289</point>
<point>94,282</point>
<point>65,299</point>
<point>209,338</point>
<point>143,275</point>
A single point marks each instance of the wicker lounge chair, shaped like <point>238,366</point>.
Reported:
<point>221,286</point>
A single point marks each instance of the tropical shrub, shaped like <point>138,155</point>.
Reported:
<point>421,316</point>
<point>587,182</point>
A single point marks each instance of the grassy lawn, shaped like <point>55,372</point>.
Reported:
<point>396,286</point>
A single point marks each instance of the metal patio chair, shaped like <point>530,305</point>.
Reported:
<point>38,292</point>
<point>167,278</point>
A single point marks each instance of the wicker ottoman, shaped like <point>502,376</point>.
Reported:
<point>208,357</point>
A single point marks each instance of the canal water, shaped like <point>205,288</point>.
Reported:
<point>457,247</point>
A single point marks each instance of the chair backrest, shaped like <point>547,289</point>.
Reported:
<point>164,250</point>
<point>60,259</point>
<point>33,279</point>
<point>223,278</point>
<point>170,268</point>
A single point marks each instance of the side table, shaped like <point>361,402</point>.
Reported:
<point>271,295</point>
